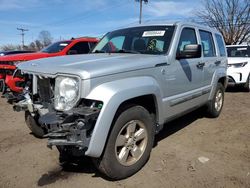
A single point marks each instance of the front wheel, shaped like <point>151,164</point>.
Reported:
<point>34,126</point>
<point>214,107</point>
<point>129,145</point>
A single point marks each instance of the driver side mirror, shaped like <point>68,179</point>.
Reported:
<point>189,51</point>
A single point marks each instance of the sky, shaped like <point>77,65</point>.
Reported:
<point>75,18</point>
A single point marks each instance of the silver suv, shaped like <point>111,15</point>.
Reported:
<point>109,104</point>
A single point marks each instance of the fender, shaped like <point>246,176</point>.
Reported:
<point>112,94</point>
<point>219,73</point>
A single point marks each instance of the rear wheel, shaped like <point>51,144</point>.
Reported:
<point>129,145</point>
<point>214,107</point>
<point>247,84</point>
<point>34,126</point>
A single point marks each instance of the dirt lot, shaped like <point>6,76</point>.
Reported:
<point>26,161</point>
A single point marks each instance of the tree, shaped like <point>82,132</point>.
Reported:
<point>39,45</point>
<point>230,17</point>
<point>45,38</point>
<point>8,47</point>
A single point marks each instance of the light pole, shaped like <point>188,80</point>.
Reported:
<point>22,34</point>
<point>140,1</point>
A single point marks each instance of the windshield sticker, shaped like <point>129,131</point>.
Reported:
<point>63,44</point>
<point>153,33</point>
<point>239,49</point>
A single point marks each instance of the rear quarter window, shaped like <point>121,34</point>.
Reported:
<point>220,44</point>
<point>207,43</point>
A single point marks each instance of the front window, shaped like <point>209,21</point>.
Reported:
<point>56,47</point>
<point>239,51</point>
<point>144,40</point>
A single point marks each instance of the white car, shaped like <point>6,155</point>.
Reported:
<point>239,66</point>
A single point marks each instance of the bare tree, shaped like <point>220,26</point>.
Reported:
<point>38,44</point>
<point>230,17</point>
<point>45,38</point>
<point>8,47</point>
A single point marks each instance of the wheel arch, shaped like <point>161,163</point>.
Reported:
<point>220,76</point>
<point>115,95</point>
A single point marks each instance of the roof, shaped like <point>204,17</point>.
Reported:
<point>169,23</point>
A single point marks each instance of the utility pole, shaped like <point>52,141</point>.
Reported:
<point>22,34</point>
<point>140,1</point>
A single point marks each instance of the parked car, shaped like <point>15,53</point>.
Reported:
<point>3,53</point>
<point>239,66</point>
<point>109,104</point>
<point>8,63</point>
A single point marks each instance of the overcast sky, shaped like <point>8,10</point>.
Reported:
<point>74,18</point>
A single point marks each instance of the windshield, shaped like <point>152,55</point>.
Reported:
<point>239,51</point>
<point>56,47</point>
<point>144,40</point>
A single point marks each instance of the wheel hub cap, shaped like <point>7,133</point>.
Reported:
<point>218,100</point>
<point>131,142</point>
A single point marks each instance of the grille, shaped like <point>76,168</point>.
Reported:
<point>45,89</point>
<point>6,63</point>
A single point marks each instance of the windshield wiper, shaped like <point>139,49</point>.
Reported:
<point>126,51</point>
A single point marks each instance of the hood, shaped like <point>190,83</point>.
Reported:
<point>92,65</point>
<point>24,56</point>
<point>234,60</point>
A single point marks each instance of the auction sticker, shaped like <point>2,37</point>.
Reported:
<point>240,49</point>
<point>153,33</point>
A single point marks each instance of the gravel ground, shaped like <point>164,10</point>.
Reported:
<point>192,151</point>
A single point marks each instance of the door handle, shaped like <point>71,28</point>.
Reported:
<point>217,62</point>
<point>200,65</point>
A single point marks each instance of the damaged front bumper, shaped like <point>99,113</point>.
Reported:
<point>72,128</point>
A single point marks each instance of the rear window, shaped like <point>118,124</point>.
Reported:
<point>239,51</point>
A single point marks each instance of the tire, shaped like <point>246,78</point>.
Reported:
<point>215,106</point>
<point>33,125</point>
<point>125,156</point>
<point>1,86</point>
<point>247,84</point>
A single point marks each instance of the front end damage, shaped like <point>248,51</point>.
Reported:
<point>65,129</point>
<point>72,128</point>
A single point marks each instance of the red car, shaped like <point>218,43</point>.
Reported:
<point>8,63</point>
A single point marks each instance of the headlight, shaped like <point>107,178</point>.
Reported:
<point>66,93</point>
<point>237,65</point>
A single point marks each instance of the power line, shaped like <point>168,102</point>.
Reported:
<point>22,34</point>
<point>80,17</point>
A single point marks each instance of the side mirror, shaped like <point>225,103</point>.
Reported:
<point>190,51</point>
<point>72,52</point>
